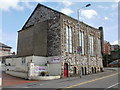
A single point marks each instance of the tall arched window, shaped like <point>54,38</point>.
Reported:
<point>81,41</point>
<point>69,39</point>
<point>99,47</point>
<point>91,39</point>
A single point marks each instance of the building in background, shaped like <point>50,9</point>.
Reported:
<point>107,47</point>
<point>115,52</point>
<point>115,56</point>
<point>107,53</point>
<point>5,50</point>
<point>111,53</point>
<point>115,47</point>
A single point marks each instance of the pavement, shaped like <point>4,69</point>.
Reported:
<point>107,79</point>
<point>8,80</point>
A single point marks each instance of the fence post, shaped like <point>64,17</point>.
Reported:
<point>31,66</point>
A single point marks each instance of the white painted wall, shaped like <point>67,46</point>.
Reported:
<point>10,68</point>
<point>37,71</point>
<point>54,69</point>
<point>45,77</point>
<point>17,74</point>
<point>38,60</point>
<point>28,59</point>
<point>20,66</point>
<point>9,61</point>
<point>17,64</point>
<point>3,67</point>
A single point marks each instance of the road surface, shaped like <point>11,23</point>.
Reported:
<point>107,80</point>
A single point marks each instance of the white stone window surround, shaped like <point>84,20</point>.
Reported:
<point>82,41</point>
<point>73,25</point>
<point>91,40</point>
<point>99,47</point>
<point>69,46</point>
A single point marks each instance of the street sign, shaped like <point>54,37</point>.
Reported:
<point>40,68</point>
<point>79,49</point>
<point>55,59</point>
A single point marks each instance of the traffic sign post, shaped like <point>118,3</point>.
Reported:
<point>79,51</point>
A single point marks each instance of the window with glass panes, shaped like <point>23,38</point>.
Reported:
<point>99,47</point>
<point>91,39</point>
<point>68,39</point>
<point>81,41</point>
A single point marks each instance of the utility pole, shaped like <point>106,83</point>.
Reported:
<point>78,12</point>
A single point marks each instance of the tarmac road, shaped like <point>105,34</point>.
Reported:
<point>105,80</point>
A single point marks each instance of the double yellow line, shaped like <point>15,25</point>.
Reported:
<point>91,81</point>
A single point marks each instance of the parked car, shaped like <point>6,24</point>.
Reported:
<point>114,64</point>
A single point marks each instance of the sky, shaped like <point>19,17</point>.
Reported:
<point>14,14</point>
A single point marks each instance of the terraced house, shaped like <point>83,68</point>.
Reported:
<point>54,39</point>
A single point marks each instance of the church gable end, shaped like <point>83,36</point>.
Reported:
<point>40,14</point>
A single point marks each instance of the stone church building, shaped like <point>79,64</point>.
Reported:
<point>56,37</point>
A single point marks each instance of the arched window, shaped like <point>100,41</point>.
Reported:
<point>99,47</point>
<point>81,42</point>
<point>69,39</point>
<point>91,40</point>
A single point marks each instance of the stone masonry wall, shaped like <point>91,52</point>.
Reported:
<point>42,14</point>
<point>56,40</point>
<point>74,59</point>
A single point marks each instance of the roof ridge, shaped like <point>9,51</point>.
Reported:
<point>4,45</point>
<point>57,12</point>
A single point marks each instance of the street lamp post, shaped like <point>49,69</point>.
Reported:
<point>78,12</point>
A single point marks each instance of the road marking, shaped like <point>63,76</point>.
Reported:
<point>26,87</point>
<point>112,86</point>
<point>91,81</point>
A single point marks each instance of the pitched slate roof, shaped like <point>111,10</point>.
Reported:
<point>5,46</point>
